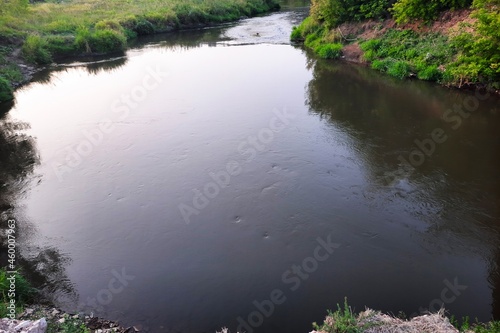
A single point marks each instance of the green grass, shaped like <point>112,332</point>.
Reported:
<point>317,38</point>
<point>402,53</point>
<point>477,327</point>
<point>24,293</point>
<point>343,321</point>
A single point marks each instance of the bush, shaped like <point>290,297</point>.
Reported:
<point>144,27</point>
<point>478,59</point>
<point>335,12</point>
<point>430,73</point>
<point>100,41</point>
<point>407,10</point>
<point>108,25</point>
<point>61,45</point>
<point>108,40</point>
<point>399,69</point>
<point>24,292</point>
<point>6,93</point>
<point>296,34</point>
<point>35,50</point>
<point>330,51</point>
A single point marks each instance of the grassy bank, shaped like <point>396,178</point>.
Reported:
<point>40,32</point>
<point>456,43</point>
<point>344,320</point>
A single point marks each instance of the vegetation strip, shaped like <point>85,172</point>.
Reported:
<point>403,38</point>
<point>40,32</point>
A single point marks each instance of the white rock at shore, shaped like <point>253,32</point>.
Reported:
<point>23,326</point>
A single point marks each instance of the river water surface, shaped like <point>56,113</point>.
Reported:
<point>187,185</point>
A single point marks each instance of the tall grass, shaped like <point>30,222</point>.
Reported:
<point>24,293</point>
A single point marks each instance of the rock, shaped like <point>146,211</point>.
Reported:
<point>39,326</point>
<point>22,325</point>
<point>61,321</point>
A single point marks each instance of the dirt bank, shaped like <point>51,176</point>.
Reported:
<point>448,23</point>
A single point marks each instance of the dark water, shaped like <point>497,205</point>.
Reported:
<point>199,179</point>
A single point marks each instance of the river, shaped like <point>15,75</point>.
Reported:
<point>223,177</point>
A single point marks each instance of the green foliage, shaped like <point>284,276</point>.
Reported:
<point>477,327</point>
<point>329,51</point>
<point>70,325</point>
<point>144,27</point>
<point>296,34</point>
<point>343,321</point>
<point>399,69</point>
<point>335,12</point>
<point>6,93</point>
<point>35,50</point>
<point>13,7</point>
<point>430,73</point>
<point>403,52</point>
<point>24,293</point>
<point>478,60</point>
<point>404,11</point>
<point>100,41</point>
<point>60,46</point>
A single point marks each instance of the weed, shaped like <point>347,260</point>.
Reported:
<point>6,94</point>
<point>330,51</point>
<point>35,50</point>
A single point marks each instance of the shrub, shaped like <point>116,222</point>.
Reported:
<point>399,69</point>
<point>335,12</point>
<point>6,93</point>
<point>407,10</point>
<point>108,24</point>
<point>99,41</point>
<point>35,50</point>
<point>24,292</point>
<point>296,34</point>
<point>430,73</point>
<point>61,45</point>
<point>108,40</point>
<point>144,27</point>
<point>330,51</point>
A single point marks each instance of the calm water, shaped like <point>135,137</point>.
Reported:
<point>196,180</point>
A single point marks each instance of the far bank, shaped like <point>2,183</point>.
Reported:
<point>455,45</point>
<point>34,35</point>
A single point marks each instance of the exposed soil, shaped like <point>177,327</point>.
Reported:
<point>448,23</point>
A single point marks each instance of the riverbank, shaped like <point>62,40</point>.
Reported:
<point>32,313</point>
<point>455,47</point>
<point>34,35</point>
